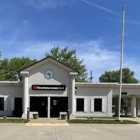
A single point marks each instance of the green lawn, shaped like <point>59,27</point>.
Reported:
<point>81,121</point>
<point>98,117</point>
<point>14,121</point>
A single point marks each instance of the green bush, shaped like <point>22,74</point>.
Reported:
<point>63,116</point>
<point>35,116</point>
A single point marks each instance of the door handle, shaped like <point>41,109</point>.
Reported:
<point>51,108</point>
<point>46,108</point>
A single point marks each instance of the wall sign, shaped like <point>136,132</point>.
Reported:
<point>48,87</point>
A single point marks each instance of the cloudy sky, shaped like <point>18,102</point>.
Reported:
<point>30,28</point>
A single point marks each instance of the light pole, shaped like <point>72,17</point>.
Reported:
<point>121,61</point>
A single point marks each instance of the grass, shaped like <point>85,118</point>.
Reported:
<point>14,121</point>
<point>81,121</point>
<point>98,117</point>
<point>104,117</point>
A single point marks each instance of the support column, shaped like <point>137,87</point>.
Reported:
<point>48,108</point>
<point>25,103</point>
<point>137,107</point>
<point>72,94</point>
<point>133,106</point>
<point>108,105</point>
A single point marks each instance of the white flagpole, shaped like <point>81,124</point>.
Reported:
<point>121,61</point>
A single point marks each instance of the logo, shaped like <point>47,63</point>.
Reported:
<point>34,87</point>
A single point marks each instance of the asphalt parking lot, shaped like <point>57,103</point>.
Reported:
<point>71,132</point>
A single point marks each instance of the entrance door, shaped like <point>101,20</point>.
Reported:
<point>43,106</point>
<point>54,106</point>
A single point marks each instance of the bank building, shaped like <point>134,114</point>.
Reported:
<point>49,89</point>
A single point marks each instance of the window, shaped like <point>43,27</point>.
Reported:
<point>34,101</point>
<point>17,107</point>
<point>18,104</point>
<point>63,104</point>
<point>80,105</point>
<point>1,103</point>
<point>98,105</point>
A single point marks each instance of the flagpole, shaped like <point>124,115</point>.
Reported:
<point>121,61</point>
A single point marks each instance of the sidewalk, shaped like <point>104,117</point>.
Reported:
<point>132,119</point>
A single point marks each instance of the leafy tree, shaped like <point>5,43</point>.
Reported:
<point>69,58</point>
<point>114,76</point>
<point>9,69</point>
<point>4,64</point>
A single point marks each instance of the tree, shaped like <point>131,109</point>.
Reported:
<point>10,69</point>
<point>69,58</point>
<point>4,64</point>
<point>114,76</point>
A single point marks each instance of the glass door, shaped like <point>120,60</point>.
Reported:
<point>54,107</point>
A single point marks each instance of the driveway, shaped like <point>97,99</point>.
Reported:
<point>71,132</point>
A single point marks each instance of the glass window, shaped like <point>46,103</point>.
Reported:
<point>34,103</point>
<point>63,104</point>
<point>80,105</point>
<point>1,103</point>
<point>98,105</point>
<point>18,104</point>
<point>17,107</point>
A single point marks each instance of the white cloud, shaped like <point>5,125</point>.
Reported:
<point>96,54</point>
<point>132,21</point>
<point>96,57</point>
<point>40,4</point>
<point>101,7</point>
<point>127,20</point>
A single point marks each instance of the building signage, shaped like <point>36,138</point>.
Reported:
<point>48,87</point>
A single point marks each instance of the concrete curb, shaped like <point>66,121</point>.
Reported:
<point>47,124</point>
